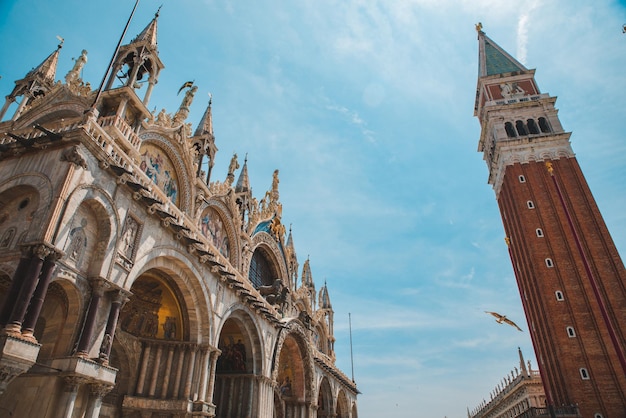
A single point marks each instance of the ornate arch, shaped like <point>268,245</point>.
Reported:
<point>295,332</point>
<point>188,278</point>
<point>184,182</point>
<point>248,324</point>
<point>269,244</point>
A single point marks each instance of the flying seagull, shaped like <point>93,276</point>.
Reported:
<point>502,318</point>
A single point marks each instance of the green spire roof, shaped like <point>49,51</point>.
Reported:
<point>495,60</point>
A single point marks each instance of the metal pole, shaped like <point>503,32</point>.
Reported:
<point>351,359</point>
<point>117,48</point>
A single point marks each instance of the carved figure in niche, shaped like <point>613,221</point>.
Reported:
<point>7,237</point>
<point>169,328</point>
<point>129,237</point>
<point>105,347</point>
<point>78,243</point>
<point>74,74</point>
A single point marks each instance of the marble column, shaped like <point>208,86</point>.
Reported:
<point>204,372</point>
<point>14,325</point>
<point>68,398</point>
<point>16,285</point>
<point>36,303</point>
<point>168,370</point>
<point>190,369</point>
<point>97,291</point>
<point>213,365</point>
<point>155,371</point>
<point>97,392</point>
<point>119,299</point>
<point>144,368</point>
<point>179,370</point>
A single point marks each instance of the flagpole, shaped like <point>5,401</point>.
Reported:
<point>351,359</point>
<point>117,49</point>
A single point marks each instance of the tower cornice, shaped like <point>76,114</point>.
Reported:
<point>524,151</point>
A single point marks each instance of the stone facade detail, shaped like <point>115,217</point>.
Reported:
<point>138,286</point>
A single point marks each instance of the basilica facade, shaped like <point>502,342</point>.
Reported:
<point>134,281</point>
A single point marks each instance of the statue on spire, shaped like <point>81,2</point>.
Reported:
<point>234,165</point>
<point>183,110</point>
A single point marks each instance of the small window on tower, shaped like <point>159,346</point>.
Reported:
<point>522,179</point>
<point>584,373</point>
<point>570,332</point>
<point>543,125</point>
<point>510,131</point>
<point>532,126</point>
<point>559,295</point>
<point>530,204</point>
<point>521,128</point>
<point>539,232</point>
<point>597,415</point>
<point>549,262</point>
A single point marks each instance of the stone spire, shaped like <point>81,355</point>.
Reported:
<point>243,182</point>
<point>204,141</point>
<point>205,127</point>
<point>149,34</point>
<point>522,364</point>
<point>37,82</point>
<point>324,298</point>
<point>307,279</point>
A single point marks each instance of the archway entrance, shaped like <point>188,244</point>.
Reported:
<point>235,385</point>
<point>292,378</point>
<point>324,400</point>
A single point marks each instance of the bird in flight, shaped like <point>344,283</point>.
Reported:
<point>502,318</point>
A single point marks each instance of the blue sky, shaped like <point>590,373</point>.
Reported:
<point>366,108</point>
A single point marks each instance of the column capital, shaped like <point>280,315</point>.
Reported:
<point>99,390</point>
<point>120,296</point>
<point>71,383</point>
<point>99,285</point>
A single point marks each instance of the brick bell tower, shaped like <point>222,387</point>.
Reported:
<point>570,276</point>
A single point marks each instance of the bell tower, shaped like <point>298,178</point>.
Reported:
<point>570,276</point>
